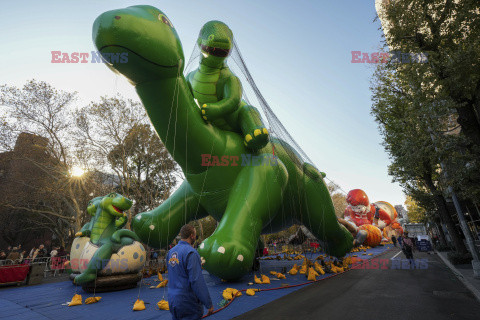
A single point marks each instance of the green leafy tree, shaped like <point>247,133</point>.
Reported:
<point>449,32</point>
<point>413,125</point>
<point>416,214</point>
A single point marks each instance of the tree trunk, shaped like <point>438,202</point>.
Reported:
<point>441,234</point>
<point>452,230</point>
<point>444,214</point>
<point>467,118</point>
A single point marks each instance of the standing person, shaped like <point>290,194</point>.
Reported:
<point>14,255</point>
<point>3,255</point>
<point>41,252</point>
<point>54,252</point>
<point>23,255</point>
<point>187,290</point>
<point>408,248</point>
<point>394,240</point>
<point>32,252</point>
<point>399,239</point>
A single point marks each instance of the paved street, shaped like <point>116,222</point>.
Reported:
<point>429,293</point>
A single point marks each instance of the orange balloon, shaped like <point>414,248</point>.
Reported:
<point>374,235</point>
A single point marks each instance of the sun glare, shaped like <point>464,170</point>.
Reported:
<point>77,171</point>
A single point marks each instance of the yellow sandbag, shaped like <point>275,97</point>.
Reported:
<point>160,278</point>
<point>250,292</point>
<point>227,295</point>
<point>162,284</point>
<point>293,271</point>
<point>76,300</point>
<point>265,279</point>
<point>273,273</point>
<point>303,269</point>
<point>319,268</point>
<point>163,305</point>
<point>257,280</point>
<point>91,300</point>
<point>281,276</point>
<point>234,292</point>
<point>139,305</point>
<point>311,275</point>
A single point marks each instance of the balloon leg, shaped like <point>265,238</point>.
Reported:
<point>99,260</point>
<point>319,216</point>
<point>158,227</point>
<point>254,131</point>
<point>254,200</point>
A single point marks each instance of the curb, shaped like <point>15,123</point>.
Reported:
<point>460,277</point>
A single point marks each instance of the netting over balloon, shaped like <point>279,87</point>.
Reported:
<point>252,96</point>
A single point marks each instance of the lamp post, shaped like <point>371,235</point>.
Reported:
<point>461,216</point>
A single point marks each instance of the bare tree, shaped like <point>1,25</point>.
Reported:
<point>37,158</point>
<point>121,140</point>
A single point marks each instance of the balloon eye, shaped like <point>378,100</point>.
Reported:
<point>112,195</point>
<point>165,20</point>
<point>211,37</point>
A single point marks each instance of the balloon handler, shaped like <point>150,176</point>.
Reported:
<point>187,290</point>
<point>103,255</point>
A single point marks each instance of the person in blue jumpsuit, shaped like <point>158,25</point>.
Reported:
<point>187,290</point>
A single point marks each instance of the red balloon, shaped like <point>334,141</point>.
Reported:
<point>357,197</point>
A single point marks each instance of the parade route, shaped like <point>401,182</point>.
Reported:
<point>431,293</point>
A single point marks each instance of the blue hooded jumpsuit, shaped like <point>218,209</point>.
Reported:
<point>187,290</point>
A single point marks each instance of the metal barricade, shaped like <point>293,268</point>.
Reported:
<point>6,262</point>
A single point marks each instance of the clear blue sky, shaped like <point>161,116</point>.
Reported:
<point>298,52</point>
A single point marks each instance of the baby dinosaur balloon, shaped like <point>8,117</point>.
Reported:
<point>219,91</point>
<point>102,238</point>
<point>246,200</point>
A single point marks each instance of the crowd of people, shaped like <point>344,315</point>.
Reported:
<point>19,255</point>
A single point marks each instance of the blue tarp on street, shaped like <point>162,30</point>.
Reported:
<point>48,301</point>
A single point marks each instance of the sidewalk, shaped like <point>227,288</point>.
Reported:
<point>464,273</point>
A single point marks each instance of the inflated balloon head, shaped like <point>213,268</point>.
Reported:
<point>357,197</point>
<point>115,204</point>
<point>215,41</point>
<point>121,33</point>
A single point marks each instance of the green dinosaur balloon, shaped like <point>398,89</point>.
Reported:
<point>266,195</point>
<point>92,209</point>
<point>219,91</point>
<point>105,232</point>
